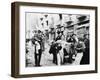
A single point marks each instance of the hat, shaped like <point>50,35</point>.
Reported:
<point>39,31</point>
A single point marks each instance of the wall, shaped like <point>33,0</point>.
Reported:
<point>5,40</point>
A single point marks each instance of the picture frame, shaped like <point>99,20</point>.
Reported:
<point>21,19</point>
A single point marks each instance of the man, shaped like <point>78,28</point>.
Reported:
<point>80,50</point>
<point>53,52</point>
<point>54,49</point>
<point>58,37</point>
<point>69,38</point>
<point>37,41</point>
<point>37,53</point>
<point>73,40</point>
<point>86,59</point>
<point>74,37</point>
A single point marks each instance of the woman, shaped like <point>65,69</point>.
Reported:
<point>79,47</point>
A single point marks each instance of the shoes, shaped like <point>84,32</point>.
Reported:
<point>55,62</point>
<point>38,65</point>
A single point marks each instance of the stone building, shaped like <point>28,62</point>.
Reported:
<point>52,24</point>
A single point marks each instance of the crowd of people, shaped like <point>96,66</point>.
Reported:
<point>64,50</point>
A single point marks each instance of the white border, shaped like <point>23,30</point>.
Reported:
<point>35,70</point>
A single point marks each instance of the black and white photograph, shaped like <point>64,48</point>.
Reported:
<point>56,39</point>
<point>51,39</point>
